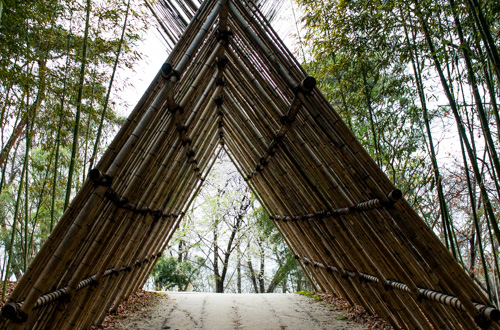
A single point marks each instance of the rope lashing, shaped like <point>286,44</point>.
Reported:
<point>371,204</point>
<point>13,310</point>
<point>102,179</point>
<point>491,313</point>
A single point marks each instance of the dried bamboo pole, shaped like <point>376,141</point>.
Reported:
<point>28,301</point>
<point>299,174</point>
<point>297,235</point>
<point>317,169</point>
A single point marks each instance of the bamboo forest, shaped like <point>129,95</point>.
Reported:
<point>277,146</point>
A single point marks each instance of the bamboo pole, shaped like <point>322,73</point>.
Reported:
<point>231,84</point>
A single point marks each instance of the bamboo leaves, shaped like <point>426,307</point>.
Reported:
<point>441,42</point>
<point>40,69</point>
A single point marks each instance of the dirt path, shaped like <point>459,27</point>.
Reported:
<point>239,311</point>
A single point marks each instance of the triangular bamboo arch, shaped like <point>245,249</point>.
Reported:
<point>231,82</point>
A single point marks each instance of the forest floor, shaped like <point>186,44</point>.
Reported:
<point>177,310</point>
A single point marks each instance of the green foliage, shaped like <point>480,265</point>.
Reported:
<point>170,273</point>
<point>40,57</point>
<point>356,55</point>
<point>397,71</point>
<point>309,294</point>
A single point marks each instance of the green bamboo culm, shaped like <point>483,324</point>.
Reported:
<point>443,206</point>
<point>103,114</point>
<point>476,221</point>
<point>475,91</point>
<point>59,128</point>
<point>494,252</point>
<point>26,214</point>
<point>16,212</point>
<point>78,109</point>
<point>489,79</point>
<point>484,29</point>
<point>56,164</point>
<point>460,127</point>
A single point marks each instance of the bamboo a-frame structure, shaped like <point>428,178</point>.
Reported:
<point>230,83</point>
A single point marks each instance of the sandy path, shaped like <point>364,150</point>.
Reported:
<point>239,311</point>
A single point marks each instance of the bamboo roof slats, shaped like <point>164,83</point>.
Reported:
<point>230,84</point>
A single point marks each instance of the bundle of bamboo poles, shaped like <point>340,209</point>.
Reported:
<point>230,83</point>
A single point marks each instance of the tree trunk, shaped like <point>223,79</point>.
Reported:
<point>376,147</point>
<point>484,29</point>
<point>78,110</point>
<point>32,110</point>
<point>115,65</point>
<point>238,279</point>
<point>262,265</point>
<point>219,285</point>
<point>16,215</point>
<point>443,207</point>
<point>219,288</point>
<point>253,278</point>
<point>475,91</point>
<point>180,251</point>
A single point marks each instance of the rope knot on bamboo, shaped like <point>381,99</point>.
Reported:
<point>284,120</point>
<point>221,62</point>
<point>306,86</point>
<point>14,312</point>
<point>482,321</point>
<point>157,214</point>
<point>220,82</point>
<point>178,108</point>
<point>182,129</point>
<point>223,36</point>
<point>100,179</point>
<point>166,70</point>
<point>388,286</point>
<point>220,100</point>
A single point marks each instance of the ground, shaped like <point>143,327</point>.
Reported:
<point>245,311</point>
<point>176,310</point>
